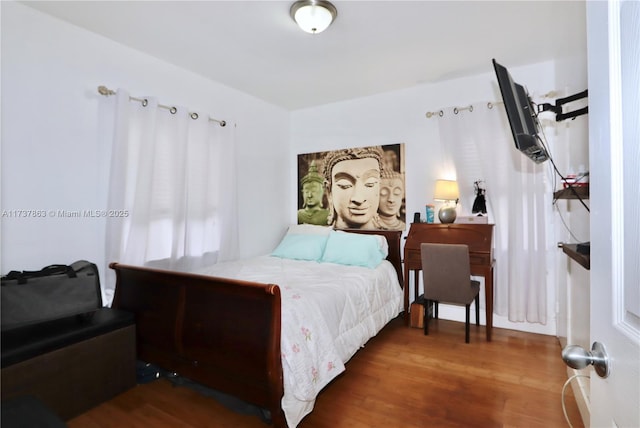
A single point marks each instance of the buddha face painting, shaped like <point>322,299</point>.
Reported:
<point>363,188</point>
<point>312,194</point>
<point>391,194</point>
<point>355,192</point>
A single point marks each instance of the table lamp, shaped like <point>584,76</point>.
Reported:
<point>447,191</point>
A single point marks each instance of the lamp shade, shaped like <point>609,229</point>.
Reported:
<point>446,190</point>
<point>313,16</point>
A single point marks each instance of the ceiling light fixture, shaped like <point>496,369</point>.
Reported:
<point>313,16</point>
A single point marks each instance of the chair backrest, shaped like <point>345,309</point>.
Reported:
<point>446,273</point>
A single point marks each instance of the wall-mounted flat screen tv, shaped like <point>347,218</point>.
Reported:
<point>521,114</point>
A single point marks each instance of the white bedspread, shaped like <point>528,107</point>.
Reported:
<point>329,311</point>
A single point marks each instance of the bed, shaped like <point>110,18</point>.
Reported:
<point>266,329</point>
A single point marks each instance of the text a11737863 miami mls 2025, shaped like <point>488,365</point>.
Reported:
<point>63,213</point>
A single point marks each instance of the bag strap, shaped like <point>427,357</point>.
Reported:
<point>50,270</point>
<point>13,275</point>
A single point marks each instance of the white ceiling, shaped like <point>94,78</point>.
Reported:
<point>372,47</point>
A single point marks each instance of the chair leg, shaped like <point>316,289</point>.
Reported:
<point>425,319</point>
<point>466,323</point>
<point>435,309</point>
<point>478,310</point>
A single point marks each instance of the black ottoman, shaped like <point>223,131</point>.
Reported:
<point>71,364</point>
<point>28,412</point>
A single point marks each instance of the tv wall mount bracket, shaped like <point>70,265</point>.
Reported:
<point>557,108</point>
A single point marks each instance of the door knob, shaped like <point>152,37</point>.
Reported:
<point>578,358</point>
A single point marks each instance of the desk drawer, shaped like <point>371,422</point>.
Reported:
<point>413,259</point>
<point>480,259</point>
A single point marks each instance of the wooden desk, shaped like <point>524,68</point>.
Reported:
<point>477,236</point>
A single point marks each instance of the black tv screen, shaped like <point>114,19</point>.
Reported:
<point>522,117</point>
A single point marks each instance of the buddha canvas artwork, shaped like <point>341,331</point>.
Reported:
<point>353,188</point>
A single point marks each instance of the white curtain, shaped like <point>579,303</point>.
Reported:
<point>172,184</point>
<point>479,146</point>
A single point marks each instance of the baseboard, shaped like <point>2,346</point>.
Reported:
<point>581,391</point>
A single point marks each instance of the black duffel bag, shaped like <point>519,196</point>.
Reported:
<point>54,292</point>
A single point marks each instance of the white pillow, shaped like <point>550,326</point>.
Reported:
<point>383,244</point>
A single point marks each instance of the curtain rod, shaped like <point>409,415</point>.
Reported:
<point>103,90</point>
<point>457,110</point>
<point>490,104</point>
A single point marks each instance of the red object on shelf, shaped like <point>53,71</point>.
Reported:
<point>578,184</point>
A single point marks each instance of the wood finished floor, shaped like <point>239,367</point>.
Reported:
<point>400,379</point>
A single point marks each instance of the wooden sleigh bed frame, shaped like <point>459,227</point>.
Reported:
<point>222,333</point>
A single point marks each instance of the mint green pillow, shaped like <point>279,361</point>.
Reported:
<point>301,247</point>
<point>353,249</point>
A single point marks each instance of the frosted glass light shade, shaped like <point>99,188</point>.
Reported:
<point>313,16</point>
<point>446,190</point>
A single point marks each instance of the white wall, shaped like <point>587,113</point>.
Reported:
<point>571,218</point>
<point>53,158</point>
<point>399,117</point>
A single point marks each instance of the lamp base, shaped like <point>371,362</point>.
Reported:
<point>447,214</point>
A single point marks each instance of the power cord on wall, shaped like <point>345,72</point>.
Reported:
<point>564,388</point>
<point>554,174</point>
<point>567,227</point>
<point>571,187</point>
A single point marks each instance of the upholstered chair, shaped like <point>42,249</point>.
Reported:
<point>447,279</point>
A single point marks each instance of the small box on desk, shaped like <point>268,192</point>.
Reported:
<point>470,219</point>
